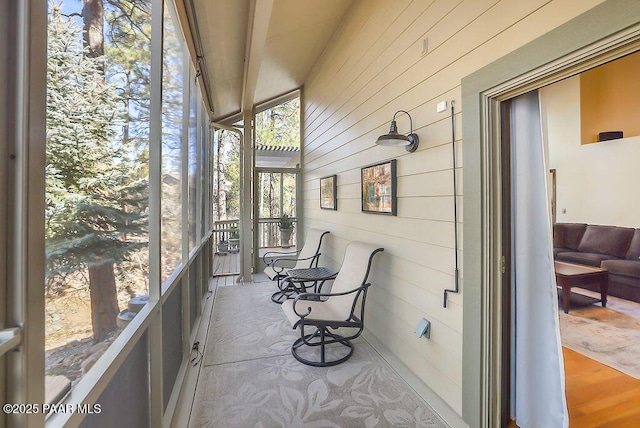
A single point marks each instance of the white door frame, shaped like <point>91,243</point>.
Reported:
<point>22,162</point>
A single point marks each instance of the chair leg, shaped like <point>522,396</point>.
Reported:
<point>322,348</point>
<point>286,292</point>
<point>307,341</point>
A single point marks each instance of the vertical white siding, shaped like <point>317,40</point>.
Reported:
<point>373,67</point>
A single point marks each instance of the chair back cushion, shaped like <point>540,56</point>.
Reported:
<point>311,248</point>
<point>353,273</point>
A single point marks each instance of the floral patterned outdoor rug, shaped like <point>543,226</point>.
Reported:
<point>246,324</point>
<point>250,378</point>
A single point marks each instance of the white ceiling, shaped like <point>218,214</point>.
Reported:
<point>232,31</point>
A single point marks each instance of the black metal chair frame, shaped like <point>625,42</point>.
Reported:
<point>281,271</point>
<point>322,336</point>
<point>296,285</point>
<point>287,287</point>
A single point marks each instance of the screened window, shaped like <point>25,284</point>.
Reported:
<point>193,161</point>
<point>96,180</point>
<point>173,95</point>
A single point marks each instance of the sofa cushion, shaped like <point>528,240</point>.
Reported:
<point>623,267</point>
<point>591,259</point>
<point>568,235</point>
<point>610,240</point>
<point>557,250</point>
<point>634,248</point>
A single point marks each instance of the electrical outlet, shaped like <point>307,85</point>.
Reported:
<point>441,106</point>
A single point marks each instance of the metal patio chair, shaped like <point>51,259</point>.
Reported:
<point>325,313</point>
<point>279,263</point>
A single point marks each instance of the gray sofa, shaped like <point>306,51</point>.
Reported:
<point>615,248</point>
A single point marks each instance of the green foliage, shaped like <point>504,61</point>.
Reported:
<point>227,176</point>
<point>286,222</point>
<point>98,230</point>
<point>279,125</point>
<point>96,201</point>
<point>128,58</point>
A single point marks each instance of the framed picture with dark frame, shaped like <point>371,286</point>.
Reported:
<point>329,192</point>
<point>379,188</point>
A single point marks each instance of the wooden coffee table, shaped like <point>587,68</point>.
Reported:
<point>572,275</point>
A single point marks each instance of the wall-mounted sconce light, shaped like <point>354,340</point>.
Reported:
<point>409,141</point>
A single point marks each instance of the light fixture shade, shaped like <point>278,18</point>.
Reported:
<point>392,140</point>
<point>395,139</point>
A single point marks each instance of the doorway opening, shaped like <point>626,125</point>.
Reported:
<point>276,218</point>
<point>600,329</point>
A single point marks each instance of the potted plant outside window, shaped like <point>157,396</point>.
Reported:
<point>286,228</point>
<point>234,240</point>
<point>223,247</point>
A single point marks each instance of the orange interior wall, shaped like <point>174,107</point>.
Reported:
<point>610,99</point>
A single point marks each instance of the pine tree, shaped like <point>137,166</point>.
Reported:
<point>127,50</point>
<point>96,204</point>
<point>128,56</point>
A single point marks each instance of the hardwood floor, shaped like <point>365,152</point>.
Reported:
<point>599,396</point>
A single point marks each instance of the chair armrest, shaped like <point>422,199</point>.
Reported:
<point>282,259</point>
<point>319,296</point>
<point>289,260</point>
<point>267,254</point>
<point>276,265</point>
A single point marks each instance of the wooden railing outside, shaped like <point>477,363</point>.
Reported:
<point>222,229</point>
<point>269,235</point>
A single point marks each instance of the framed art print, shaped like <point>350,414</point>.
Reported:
<point>328,193</point>
<point>379,188</point>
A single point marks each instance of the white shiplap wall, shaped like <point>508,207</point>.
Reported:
<point>373,67</point>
